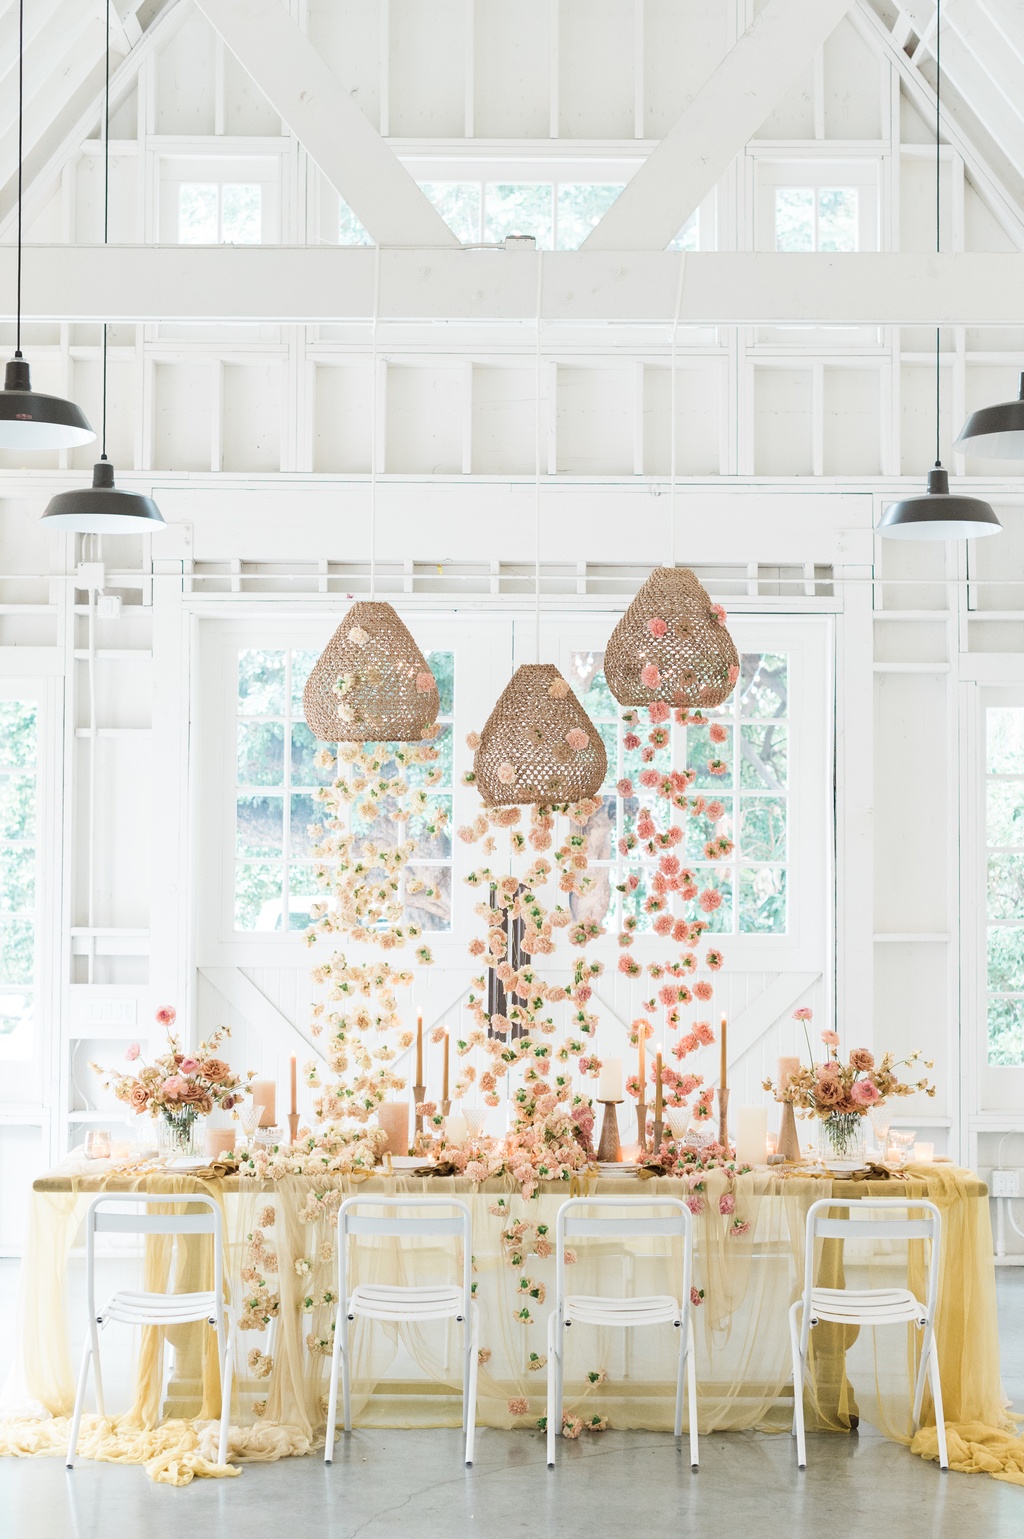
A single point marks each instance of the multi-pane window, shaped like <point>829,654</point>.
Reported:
<point>276,779</point>
<point>560,215</point>
<point>351,231</point>
<point>18,853</point>
<point>1004,840</point>
<point>688,238</point>
<point>752,793</point>
<point>816,218</point>
<point>220,213</point>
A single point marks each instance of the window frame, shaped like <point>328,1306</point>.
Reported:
<point>818,174</point>
<point>175,171</point>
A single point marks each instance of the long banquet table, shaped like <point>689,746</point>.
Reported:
<point>282,1281</point>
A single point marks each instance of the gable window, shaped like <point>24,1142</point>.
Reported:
<point>220,213</point>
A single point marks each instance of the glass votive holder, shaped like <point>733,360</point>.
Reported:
<point>475,1117</point>
<point>901,1145</point>
<point>97,1144</point>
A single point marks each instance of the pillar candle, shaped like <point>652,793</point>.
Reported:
<point>264,1093</point>
<point>393,1117</point>
<point>295,1105</point>
<point>456,1128</point>
<point>419,1047</point>
<point>444,1076</point>
<point>657,1086</point>
<point>724,1074</point>
<point>787,1068</point>
<point>609,1086</point>
<point>751,1134</point>
<point>219,1141</point>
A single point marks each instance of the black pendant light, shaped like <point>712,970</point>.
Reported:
<point>938,513</point>
<point>102,508</point>
<point>29,420</point>
<point>995,432</point>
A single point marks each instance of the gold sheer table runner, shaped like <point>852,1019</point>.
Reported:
<point>282,1279</point>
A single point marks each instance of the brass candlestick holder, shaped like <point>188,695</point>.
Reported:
<point>293,1126</point>
<point>641,1126</point>
<point>723,1119</point>
<point>789,1141</point>
<point>419,1095</point>
<point>608,1148</point>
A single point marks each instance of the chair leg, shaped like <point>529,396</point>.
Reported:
<point>922,1374</point>
<point>940,1421</point>
<point>469,1412</point>
<point>554,1387</point>
<point>798,1387</point>
<point>680,1376</point>
<point>226,1378</point>
<point>97,1373</point>
<point>332,1396</point>
<point>76,1417</point>
<point>346,1373</point>
<point>691,1373</point>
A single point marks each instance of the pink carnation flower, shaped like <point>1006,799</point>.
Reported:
<point>656,626</point>
<point>734,673</point>
<point>696,1298</point>
<point>650,676</point>
<point>659,712</point>
<point>425,682</point>
<point>695,1204</point>
<point>577,739</point>
<point>624,787</point>
<point>710,899</point>
<point>726,1204</point>
<point>506,773</point>
<point>718,733</point>
<point>703,990</point>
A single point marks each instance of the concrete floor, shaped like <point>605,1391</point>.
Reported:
<point>412,1485</point>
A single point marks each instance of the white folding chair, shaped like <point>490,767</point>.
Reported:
<point>869,1306</point>
<point>408,1304</point>
<point>659,1309</point>
<point>153,1308</point>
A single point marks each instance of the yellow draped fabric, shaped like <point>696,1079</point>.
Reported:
<point>281,1265</point>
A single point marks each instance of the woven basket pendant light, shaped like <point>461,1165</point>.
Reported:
<point>538,744</point>
<point>371,683</point>
<point>671,645</point>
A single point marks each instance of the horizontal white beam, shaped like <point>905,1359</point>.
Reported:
<point>715,126</point>
<point>306,284</point>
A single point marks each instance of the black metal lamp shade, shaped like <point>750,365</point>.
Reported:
<point>938,514</point>
<point>29,420</point>
<point>995,432</point>
<point>102,509</point>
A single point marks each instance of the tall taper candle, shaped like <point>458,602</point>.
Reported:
<point>642,1051</point>
<point>295,1105</point>
<point>444,1080</point>
<point>723,1040</point>
<point>419,1047</point>
<point>657,1086</point>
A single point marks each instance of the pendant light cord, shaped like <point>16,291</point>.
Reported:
<point>106,210</point>
<point>938,208</point>
<point>536,460</point>
<point>21,130</point>
<point>373,423</point>
<point>672,416</point>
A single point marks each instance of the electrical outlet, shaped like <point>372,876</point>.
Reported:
<point>1005,1183</point>
<point>108,606</point>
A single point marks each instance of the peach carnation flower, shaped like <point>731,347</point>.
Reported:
<point>425,682</point>
<point>558,689</point>
<point>577,739</point>
<point>518,1406</point>
<point>473,740</point>
<point>358,636</point>
<point>656,626</point>
<point>650,677</point>
<point>710,899</point>
<point>658,712</point>
<point>506,773</point>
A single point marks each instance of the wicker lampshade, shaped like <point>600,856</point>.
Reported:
<point>539,744</point>
<point>671,645</point>
<point>371,683</point>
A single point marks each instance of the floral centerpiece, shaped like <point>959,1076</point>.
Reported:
<point>841,1094</point>
<point>178,1088</point>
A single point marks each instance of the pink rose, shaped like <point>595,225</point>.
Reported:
<point>865,1092</point>
<point>166,1016</point>
<point>174,1088</point>
<point>132,1052</point>
<point>189,1065</point>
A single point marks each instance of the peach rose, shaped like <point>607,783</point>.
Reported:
<point>862,1060</point>
<point>829,1091</point>
<point>138,1098</point>
<point>215,1069</point>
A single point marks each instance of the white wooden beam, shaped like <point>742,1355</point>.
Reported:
<point>769,58</point>
<point>260,1012</point>
<point>336,134</point>
<point>306,284</point>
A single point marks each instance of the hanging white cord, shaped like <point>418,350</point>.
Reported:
<point>672,414</point>
<point>373,424</point>
<point>536,462</point>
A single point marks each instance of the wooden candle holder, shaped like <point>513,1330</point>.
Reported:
<point>723,1120</point>
<point>789,1141</point>
<point>293,1126</point>
<point>419,1095</point>
<point>641,1126</point>
<point>657,1137</point>
<point>609,1147</point>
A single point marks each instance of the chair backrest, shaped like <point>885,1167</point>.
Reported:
<point>675,1222</point>
<point>823,1225</point>
<point>132,1214</point>
<point>419,1218</point>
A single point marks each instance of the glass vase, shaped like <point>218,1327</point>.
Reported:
<point>843,1139</point>
<point>181,1133</point>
